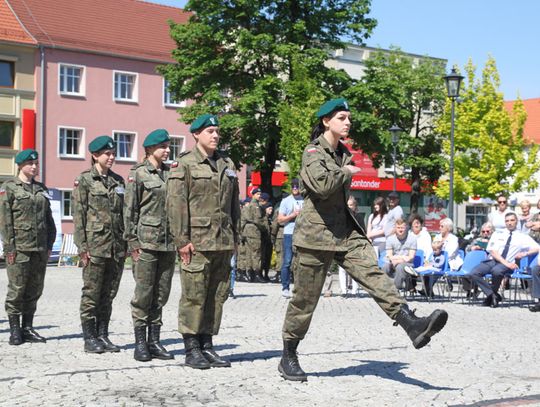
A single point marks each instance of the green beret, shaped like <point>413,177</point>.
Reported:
<point>331,106</point>
<point>101,143</point>
<point>156,137</point>
<point>26,155</point>
<point>201,122</point>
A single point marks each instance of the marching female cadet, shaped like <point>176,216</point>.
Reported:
<point>326,230</point>
<point>204,214</point>
<point>98,200</point>
<point>151,247</point>
<point>28,234</point>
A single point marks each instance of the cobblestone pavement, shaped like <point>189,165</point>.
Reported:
<point>353,355</point>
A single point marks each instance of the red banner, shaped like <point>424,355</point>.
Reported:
<point>361,182</point>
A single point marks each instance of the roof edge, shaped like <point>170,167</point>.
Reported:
<point>20,22</point>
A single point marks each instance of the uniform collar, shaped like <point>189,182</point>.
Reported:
<point>202,157</point>
<point>150,167</point>
<point>326,145</point>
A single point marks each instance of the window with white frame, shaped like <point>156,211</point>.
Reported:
<point>66,204</point>
<point>177,146</point>
<point>70,141</point>
<point>125,142</point>
<point>168,99</point>
<point>125,86</point>
<point>71,80</point>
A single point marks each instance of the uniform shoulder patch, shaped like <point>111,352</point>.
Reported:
<point>2,191</point>
<point>131,178</point>
<point>311,150</point>
<point>174,164</point>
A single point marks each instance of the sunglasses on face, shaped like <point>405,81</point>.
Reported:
<point>501,202</point>
<point>485,231</point>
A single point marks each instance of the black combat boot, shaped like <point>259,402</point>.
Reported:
<point>258,277</point>
<point>289,367</point>
<point>420,330</point>
<point>210,354</point>
<point>241,276</point>
<point>103,336</point>
<point>142,354</point>
<point>28,332</point>
<point>156,349</point>
<point>91,343</point>
<point>15,337</point>
<point>194,356</point>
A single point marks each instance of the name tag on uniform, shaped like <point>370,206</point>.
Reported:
<point>47,195</point>
<point>119,190</point>
<point>230,173</point>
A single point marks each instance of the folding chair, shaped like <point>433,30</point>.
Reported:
<point>68,250</point>
<point>471,260</point>
<point>523,274</point>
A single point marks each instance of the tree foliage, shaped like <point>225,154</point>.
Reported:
<point>491,156</point>
<point>238,57</point>
<point>408,91</point>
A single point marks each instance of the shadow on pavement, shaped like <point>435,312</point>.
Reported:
<point>354,351</point>
<point>236,296</point>
<point>37,328</point>
<point>251,356</point>
<point>385,370</point>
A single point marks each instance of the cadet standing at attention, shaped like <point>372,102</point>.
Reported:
<point>28,233</point>
<point>204,215</point>
<point>326,230</point>
<point>150,245</point>
<point>98,201</point>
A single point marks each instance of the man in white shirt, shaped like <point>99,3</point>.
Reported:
<point>504,248</point>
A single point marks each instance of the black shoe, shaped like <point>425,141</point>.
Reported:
<point>194,357</point>
<point>156,349</point>
<point>420,330</point>
<point>289,367</point>
<point>535,307</point>
<point>91,343</point>
<point>28,332</point>
<point>141,353</point>
<point>103,336</point>
<point>258,277</point>
<point>498,296</point>
<point>210,354</point>
<point>241,276</point>
<point>494,301</point>
<point>15,331</point>
<point>487,301</point>
<point>231,294</point>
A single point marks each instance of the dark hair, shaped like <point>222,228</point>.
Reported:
<point>508,214</point>
<point>415,216</point>
<point>383,209</point>
<point>319,127</point>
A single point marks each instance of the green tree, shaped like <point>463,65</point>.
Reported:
<point>237,56</point>
<point>408,91</point>
<point>491,156</point>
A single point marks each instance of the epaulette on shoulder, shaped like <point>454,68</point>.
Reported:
<point>138,165</point>
<point>116,176</point>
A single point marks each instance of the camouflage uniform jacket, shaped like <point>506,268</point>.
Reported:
<point>325,221</point>
<point>254,221</point>
<point>535,234</point>
<point>203,206</point>
<point>26,221</point>
<point>145,217</point>
<point>276,230</point>
<point>97,214</point>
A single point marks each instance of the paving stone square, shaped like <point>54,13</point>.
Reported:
<point>353,354</point>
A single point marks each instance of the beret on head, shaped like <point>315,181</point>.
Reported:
<point>101,143</point>
<point>265,196</point>
<point>26,155</point>
<point>255,191</point>
<point>332,106</point>
<point>295,183</point>
<point>393,195</point>
<point>156,137</point>
<point>201,122</point>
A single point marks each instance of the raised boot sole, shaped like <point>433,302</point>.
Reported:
<point>436,324</point>
<point>289,377</point>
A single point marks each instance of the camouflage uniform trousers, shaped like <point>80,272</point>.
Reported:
<point>278,248</point>
<point>205,288</point>
<point>101,279</point>
<point>25,282</point>
<point>253,254</point>
<point>310,267</point>
<point>153,274</point>
<point>266,253</point>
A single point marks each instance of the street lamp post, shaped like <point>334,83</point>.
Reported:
<point>394,130</point>
<point>453,83</point>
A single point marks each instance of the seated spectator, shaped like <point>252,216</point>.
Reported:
<point>435,261</point>
<point>423,238</point>
<point>534,227</point>
<point>525,216</point>
<point>480,243</point>
<point>400,252</point>
<point>450,243</point>
<point>504,248</point>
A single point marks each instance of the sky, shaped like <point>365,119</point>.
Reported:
<point>460,30</point>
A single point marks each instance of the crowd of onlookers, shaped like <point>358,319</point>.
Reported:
<point>397,242</point>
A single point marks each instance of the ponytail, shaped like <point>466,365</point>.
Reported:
<point>317,131</point>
